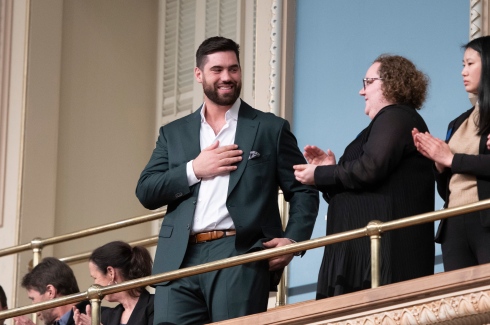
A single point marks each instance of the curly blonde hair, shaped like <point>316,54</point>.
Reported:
<point>402,82</point>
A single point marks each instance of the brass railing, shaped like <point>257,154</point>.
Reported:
<point>37,244</point>
<point>83,257</point>
<point>374,229</point>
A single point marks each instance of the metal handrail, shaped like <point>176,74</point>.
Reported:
<point>39,243</point>
<point>95,293</point>
<point>146,242</point>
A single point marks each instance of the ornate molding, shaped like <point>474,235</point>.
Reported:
<point>476,18</point>
<point>471,308</point>
<point>275,60</point>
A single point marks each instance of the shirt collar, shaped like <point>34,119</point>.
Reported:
<point>232,113</point>
<point>65,318</point>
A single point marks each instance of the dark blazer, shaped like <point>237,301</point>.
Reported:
<point>141,315</point>
<point>478,165</point>
<point>252,190</point>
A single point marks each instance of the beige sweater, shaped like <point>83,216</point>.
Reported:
<point>462,187</point>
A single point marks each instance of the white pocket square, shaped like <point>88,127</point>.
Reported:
<point>253,155</point>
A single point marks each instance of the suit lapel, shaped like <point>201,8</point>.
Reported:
<point>246,131</point>
<point>190,137</point>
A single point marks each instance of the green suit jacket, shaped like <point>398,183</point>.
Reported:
<point>252,191</point>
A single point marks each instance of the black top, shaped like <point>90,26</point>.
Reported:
<point>381,176</point>
<point>141,315</point>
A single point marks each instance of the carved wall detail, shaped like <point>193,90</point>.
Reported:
<point>472,308</point>
<point>275,60</point>
<point>476,18</point>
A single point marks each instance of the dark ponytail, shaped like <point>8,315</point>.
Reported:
<point>132,262</point>
<point>141,263</point>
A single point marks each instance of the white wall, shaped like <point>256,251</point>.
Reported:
<point>89,122</point>
<point>8,232</point>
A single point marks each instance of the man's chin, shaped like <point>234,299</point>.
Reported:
<point>226,101</point>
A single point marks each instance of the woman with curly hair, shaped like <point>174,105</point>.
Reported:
<point>381,176</point>
<point>462,165</point>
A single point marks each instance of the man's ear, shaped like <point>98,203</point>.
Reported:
<point>198,74</point>
<point>51,291</point>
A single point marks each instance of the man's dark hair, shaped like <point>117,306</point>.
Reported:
<point>213,45</point>
<point>3,298</point>
<point>51,271</point>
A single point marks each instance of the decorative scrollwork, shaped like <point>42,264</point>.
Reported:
<point>275,61</point>
<point>471,308</point>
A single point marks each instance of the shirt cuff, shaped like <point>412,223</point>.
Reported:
<point>297,253</point>
<point>191,176</point>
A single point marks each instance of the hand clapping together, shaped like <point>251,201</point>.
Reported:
<point>316,157</point>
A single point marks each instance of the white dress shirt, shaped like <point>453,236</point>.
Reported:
<point>211,212</point>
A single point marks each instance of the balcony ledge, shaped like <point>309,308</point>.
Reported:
<point>456,297</point>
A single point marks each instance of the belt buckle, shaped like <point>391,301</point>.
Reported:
<point>193,240</point>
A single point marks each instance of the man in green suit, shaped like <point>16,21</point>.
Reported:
<point>218,170</point>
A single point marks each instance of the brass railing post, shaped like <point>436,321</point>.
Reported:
<point>37,247</point>
<point>93,293</point>
<point>281,295</point>
<point>282,289</point>
<point>374,232</point>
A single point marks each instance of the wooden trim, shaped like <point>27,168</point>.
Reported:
<point>6,12</point>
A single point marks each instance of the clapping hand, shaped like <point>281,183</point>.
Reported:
<point>305,174</point>
<point>23,320</point>
<point>317,156</point>
<point>82,319</point>
<point>434,149</point>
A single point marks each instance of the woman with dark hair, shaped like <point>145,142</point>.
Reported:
<point>462,165</point>
<point>380,176</point>
<point>114,263</point>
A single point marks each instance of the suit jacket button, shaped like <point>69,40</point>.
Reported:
<point>177,195</point>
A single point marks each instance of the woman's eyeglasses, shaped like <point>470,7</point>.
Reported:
<point>368,81</point>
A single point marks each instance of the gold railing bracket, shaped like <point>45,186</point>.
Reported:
<point>94,292</point>
<point>95,295</point>
<point>373,228</point>
<point>37,247</point>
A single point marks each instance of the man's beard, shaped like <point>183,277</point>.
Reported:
<point>229,99</point>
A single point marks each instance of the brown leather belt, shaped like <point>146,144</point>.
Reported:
<point>209,236</point>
